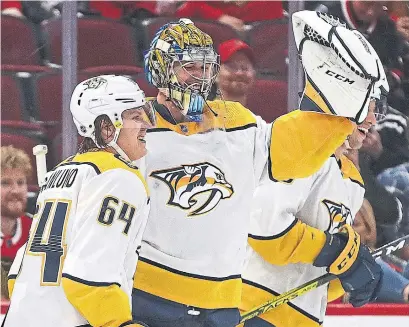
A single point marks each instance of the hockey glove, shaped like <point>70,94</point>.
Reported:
<point>351,261</point>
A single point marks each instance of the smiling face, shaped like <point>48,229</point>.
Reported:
<point>193,75</point>
<point>368,11</point>
<point>13,192</point>
<point>131,138</point>
<point>358,136</point>
<point>237,75</point>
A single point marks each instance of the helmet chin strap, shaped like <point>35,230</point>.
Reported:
<point>116,147</point>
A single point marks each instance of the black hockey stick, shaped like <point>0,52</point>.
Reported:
<point>314,283</point>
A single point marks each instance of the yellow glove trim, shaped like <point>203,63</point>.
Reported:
<point>349,254</point>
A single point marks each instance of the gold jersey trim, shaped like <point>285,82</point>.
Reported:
<point>103,161</point>
<point>349,171</point>
<point>194,290</point>
<point>226,115</point>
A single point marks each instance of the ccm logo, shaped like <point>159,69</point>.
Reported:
<point>389,249</point>
<point>350,254</point>
<point>339,77</point>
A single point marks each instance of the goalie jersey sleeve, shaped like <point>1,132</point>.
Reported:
<point>108,211</point>
<point>301,142</point>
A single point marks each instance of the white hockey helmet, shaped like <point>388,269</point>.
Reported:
<point>107,95</point>
<point>339,63</point>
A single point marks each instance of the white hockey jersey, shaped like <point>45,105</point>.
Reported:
<point>78,264</point>
<point>202,185</point>
<point>326,200</point>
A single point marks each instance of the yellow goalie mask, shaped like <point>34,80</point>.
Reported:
<point>183,64</point>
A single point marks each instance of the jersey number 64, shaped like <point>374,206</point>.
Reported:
<point>48,237</point>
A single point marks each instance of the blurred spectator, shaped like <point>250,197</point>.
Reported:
<point>399,12</point>
<point>237,72</point>
<point>365,225</point>
<point>398,8</point>
<point>12,8</point>
<point>394,134</point>
<point>15,224</point>
<point>395,287</point>
<point>396,181</point>
<point>388,148</point>
<point>402,24</point>
<point>233,13</point>
<point>38,11</point>
<point>387,208</point>
<point>384,150</point>
<point>125,10</point>
<point>406,271</point>
<point>167,8</point>
<point>371,19</point>
<point>4,288</point>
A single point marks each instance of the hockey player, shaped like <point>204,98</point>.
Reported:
<point>77,266</point>
<point>207,158</point>
<point>326,200</point>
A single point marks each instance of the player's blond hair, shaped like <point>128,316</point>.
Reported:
<point>13,158</point>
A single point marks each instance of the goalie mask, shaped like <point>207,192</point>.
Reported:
<point>181,49</point>
<point>343,71</point>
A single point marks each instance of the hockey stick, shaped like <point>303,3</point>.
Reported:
<point>40,151</point>
<point>317,282</point>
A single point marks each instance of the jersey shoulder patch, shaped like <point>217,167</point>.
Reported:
<point>349,171</point>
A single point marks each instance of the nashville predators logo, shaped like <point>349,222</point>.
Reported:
<point>197,188</point>
<point>339,215</point>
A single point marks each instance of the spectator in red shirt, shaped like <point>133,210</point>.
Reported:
<point>15,224</point>
<point>233,13</point>
<point>12,8</point>
<point>237,72</point>
<point>122,9</point>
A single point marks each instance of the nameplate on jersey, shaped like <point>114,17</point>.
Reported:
<point>196,188</point>
<point>60,178</point>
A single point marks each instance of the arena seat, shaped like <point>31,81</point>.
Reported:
<point>13,102</point>
<point>269,40</point>
<point>101,43</point>
<point>18,42</point>
<point>268,98</point>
